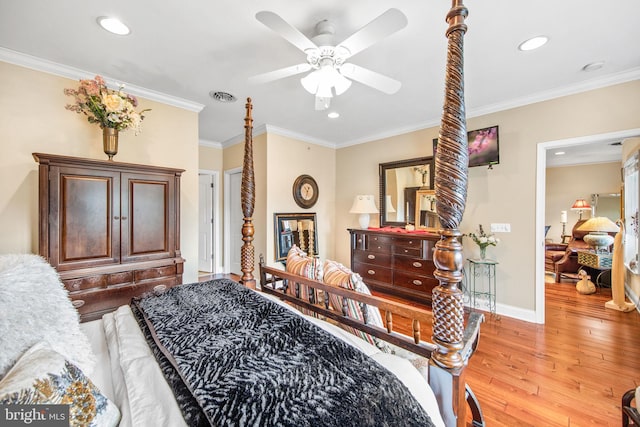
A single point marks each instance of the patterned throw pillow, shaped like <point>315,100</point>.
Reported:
<point>298,262</point>
<point>336,274</point>
<point>43,376</point>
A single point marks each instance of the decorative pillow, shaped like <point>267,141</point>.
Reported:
<point>336,274</point>
<point>35,307</point>
<point>298,262</point>
<point>43,376</point>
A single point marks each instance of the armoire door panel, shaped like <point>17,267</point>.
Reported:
<point>86,214</point>
<point>149,221</point>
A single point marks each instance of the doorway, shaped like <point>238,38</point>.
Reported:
<point>208,223</point>
<point>233,220</point>
<point>541,166</point>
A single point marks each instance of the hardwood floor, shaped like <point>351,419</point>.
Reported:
<point>571,371</point>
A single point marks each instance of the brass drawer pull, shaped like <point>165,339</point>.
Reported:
<point>371,272</point>
<point>371,256</point>
<point>159,288</point>
<point>417,264</point>
<point>417,282</point>
<point>77,303</point>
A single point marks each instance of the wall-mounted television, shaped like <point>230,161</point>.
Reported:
<point>484,149</point>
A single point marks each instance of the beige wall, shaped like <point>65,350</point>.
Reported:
<point>278,161</point>
<point>505,194</point>
<point>287,159</point>
<point>566,184</point>
<point>33,119</point>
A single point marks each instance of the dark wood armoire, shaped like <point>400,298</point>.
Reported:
<point>110,229</point>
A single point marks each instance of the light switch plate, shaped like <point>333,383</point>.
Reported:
<point>501,228</point>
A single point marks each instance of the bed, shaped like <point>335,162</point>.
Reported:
<point>144,363</point>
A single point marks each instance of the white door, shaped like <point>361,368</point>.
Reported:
<point>236,221</point>
<point>205,223</point>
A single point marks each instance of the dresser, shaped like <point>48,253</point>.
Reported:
<point>110,229</point>
<point>395,263</point>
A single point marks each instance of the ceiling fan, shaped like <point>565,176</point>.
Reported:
<point>330,73</point>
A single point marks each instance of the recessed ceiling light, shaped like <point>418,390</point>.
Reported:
<point>559,153</point>
<point>533,43</point>
<point>333,115</point>
<point>593,66</point>
<point>113,25</point>
<point>221,96</point>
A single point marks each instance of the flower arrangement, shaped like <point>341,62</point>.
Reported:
<point>108,108</point>
<point>483,240</point>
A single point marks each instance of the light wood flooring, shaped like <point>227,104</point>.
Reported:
<point>571,371</point>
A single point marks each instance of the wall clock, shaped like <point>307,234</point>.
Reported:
<point>305,191</point>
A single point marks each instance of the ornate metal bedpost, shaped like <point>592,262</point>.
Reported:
<point>451,194</point>
<point>248,201</point>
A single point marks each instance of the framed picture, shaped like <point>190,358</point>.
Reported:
<point>295,229</point>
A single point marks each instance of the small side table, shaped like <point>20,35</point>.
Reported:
<point>601,262</point>
<point>482,281</point>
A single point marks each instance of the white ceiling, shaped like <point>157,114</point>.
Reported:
<point>186,49</point>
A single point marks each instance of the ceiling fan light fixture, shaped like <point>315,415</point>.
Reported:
<point>310,82</point>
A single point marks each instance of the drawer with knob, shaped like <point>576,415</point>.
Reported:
<point>370,272</point>
<point>424,284</point>
<point>414,265</point>
<point>376,258</point>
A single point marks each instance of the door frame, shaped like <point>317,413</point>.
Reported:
<point>541,166</point>
<point>215,207</point>
<point>227,217</point>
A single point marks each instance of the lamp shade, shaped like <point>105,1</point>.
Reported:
<point>563,217</point>
<point>363,205</point>
<point>580,205</point>
<point>598,227</point>
<point>599,224</point>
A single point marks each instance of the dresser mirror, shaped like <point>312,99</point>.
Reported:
<point>426,215</point>
<point>399,183</point>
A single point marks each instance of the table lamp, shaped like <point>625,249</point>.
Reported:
<point>598,227</point>
<point>580,205</point>
<point>363,205</point>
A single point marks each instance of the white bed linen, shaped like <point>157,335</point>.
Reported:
<point>128,373</point>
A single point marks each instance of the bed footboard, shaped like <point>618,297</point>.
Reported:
<point>448,384</point>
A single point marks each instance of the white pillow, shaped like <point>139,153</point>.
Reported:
<point>34,307</point>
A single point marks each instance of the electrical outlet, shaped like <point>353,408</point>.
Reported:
<point>501,228</point>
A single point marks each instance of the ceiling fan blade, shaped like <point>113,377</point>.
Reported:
<point>383,26</point>
<point>279,74</point>
<point>322,103</point>
<point>288,32</point>
<point>370,78</point>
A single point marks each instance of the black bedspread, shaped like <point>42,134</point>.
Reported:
<point>235,359</point>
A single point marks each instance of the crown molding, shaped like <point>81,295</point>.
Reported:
<point>270,129</point>
<point>584,86</point>
<point>39,64</point>
<point>592,84</point>
<point>210,144</point>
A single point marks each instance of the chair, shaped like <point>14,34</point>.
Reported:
<point>629,413</point>
<point>562,258</point>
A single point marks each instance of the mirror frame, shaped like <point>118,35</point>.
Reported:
<point>419,194</point>
<point>382,171</point>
